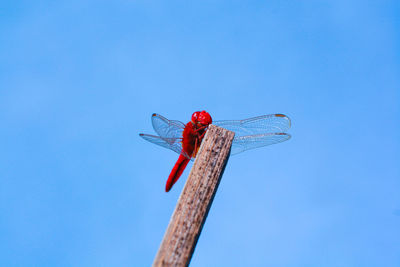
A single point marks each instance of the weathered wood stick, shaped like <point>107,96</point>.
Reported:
<point>190,213</point>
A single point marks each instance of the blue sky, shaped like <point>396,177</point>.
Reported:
<point>80,79</point>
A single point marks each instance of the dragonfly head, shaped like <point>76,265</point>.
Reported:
<point>201,118</point>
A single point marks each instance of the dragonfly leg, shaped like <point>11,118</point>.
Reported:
<point>195,148</point>
<point>201,128</point>
<point>202,135</point>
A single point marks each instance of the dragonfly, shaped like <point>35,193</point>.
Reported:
<point>185,139</point>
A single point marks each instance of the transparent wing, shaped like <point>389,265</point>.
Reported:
<point>171,143</point>
<point>243,143</point>
<point>249,133</point>
<point>167,128</point>
<point>273,123</point>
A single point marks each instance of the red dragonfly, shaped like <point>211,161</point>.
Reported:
<point>186,139</point>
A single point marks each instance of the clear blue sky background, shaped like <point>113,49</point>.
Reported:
<point>80,79</point>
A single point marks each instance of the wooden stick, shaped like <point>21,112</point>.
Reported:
<point>190,213</point>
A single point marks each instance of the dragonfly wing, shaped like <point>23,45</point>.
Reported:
<point>273,123</point>
<point>243,143</point>
<point>167,128</point>
<point>171,143</point>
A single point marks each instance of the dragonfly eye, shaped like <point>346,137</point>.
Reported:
<point>204,118</point>
<point>195,117</point>
<point>201,117</point>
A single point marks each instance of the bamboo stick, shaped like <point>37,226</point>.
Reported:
<point>190,213</point>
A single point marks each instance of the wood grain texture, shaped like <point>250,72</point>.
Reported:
<point>190,213</point>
